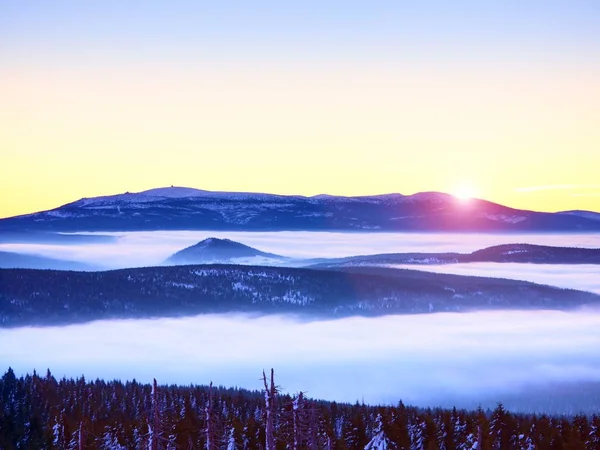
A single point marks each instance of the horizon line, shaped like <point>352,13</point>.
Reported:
<point>291,196</point>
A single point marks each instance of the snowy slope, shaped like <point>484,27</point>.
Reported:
<point>179,208</point>
<point>214,250</point>
<point>585,214</point>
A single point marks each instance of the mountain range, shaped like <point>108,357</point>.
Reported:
<point>47,297</point>
<point>178,208</point>
<point>226,251</point>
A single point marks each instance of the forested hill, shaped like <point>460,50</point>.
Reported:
<point>40,412</point>
<point>47,297</point>
<point>506,253</point>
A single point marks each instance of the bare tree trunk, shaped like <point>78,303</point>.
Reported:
<point>479,438</point>
<point>270,393</point>
<point>208,414</point>
<point>155,418</point>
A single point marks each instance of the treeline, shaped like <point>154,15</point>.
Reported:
<point>41,412</point>
<point>50,297</point>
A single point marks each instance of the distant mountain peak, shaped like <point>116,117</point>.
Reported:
<point>219,242</point>
<point>175,192</point>
<point>215,250</point>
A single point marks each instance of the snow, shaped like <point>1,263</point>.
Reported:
<point>379,198</point>
<point>256,261</point>
<point>296,298</point>
<point>433,197</point>
<point>429,261</point>
<point>271,200</point>
<point>56,432</point>
<point>394,198</point>
<point>239,286</point>
<point>207,272</point>
<point>60,214</point>
<point>183,285</point>
<point>256,209</point>
<point>231,441</point>
<point>175,192</point>
<point>326,197</point>
<point>407,217</point>
<point>185,192</point>
<point>504,218</point>
<point>514,252</point>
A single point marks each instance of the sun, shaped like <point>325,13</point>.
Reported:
<point>464,192</point>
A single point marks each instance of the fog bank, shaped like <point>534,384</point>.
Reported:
<point>144,248</point>
<point>585,277</point>
<point>422,359</point>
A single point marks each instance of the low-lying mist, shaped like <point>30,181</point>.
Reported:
<point>147,248</point>
<point>437,359</point>
<point>585,277</point>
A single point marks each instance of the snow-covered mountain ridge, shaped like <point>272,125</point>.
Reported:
<point>180,208</point>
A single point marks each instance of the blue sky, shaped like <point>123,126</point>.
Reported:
<point>532,29</point>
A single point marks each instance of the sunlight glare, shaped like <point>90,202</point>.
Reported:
<point>465,192</point>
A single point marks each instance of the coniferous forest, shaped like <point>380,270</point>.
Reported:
<point>41,412</point>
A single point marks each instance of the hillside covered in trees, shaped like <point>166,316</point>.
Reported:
<point>41,412</point>
<point>506,253</point>
<point>48,297</point>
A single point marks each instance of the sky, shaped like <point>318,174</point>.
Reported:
<point>498,100</point>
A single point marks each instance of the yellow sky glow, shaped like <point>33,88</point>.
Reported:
<point>526,137</point>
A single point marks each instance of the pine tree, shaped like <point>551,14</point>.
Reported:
<point>41,413</point>
<point>502,432</point>
<point>210,434</point>
<point>416,432</point>
<point>231,445</point>
<point>593,438</point>
<point>380,441</point>
<point>356,432</point>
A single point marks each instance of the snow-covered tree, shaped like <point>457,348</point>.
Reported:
<point>416,431</point>
<point>231,445</point>
<point>59,440</point>
<point>380,441</point>
<point>110,440</point>
<point>593,439</point>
